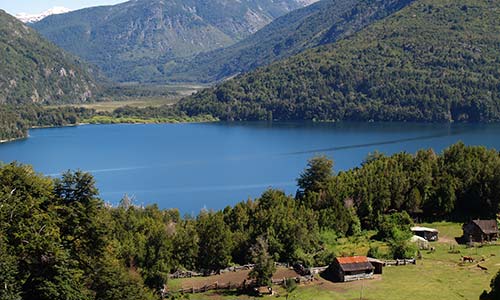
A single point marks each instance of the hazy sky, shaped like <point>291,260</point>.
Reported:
<point>37,6</point>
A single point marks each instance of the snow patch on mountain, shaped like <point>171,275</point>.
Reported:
<point>307,2</point>
<point>31,18</point>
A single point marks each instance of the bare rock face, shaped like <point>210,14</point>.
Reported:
<point>33,70</point>
<point>124,39</point>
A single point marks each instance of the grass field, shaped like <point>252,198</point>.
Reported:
<point>173,93</point>
<point>438,275</point>
<point>109,106</point>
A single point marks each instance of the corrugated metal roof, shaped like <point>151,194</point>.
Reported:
<point>374,260</point>
<point>420,228</point>
<point>354,263</point>
<point>352,259</point>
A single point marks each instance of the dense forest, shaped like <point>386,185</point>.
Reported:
<point>58,240</point>
<point>434,60</point>
<point>320,23</point>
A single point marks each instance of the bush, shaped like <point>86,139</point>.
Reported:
<point>374,252</point>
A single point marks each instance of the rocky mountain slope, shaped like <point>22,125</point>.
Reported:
<point>321,23</point>
<point>435,60</point>
<point>34,70</point>
<point>127,40</point>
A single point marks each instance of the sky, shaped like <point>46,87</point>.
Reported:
<point>37,6</point>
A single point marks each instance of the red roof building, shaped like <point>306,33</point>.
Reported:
<point>351,268</point>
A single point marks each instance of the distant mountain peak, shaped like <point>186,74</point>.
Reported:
<point>307,2</point>
<point>31,18</point>
<point>136,40</point>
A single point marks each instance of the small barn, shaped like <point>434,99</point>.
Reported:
<point>430,234</point>
<point>377,264</point>
<point>479,231</point>
<point>350,268</point>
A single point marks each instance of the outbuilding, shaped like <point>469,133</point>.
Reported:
<point>479,231</point>
<point>377,264</point>
<point>350,268</point>
<point>430,234</point>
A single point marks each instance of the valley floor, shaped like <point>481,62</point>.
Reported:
<point>109,106</point>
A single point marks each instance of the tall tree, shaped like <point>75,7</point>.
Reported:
<point>264,265</point>
<point>319,170</point>
<point>215,242</point>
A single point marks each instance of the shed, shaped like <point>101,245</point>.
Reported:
<point>427,233</point>
<point>479,231</point>
<point>377,264</point>
<point>351,268</point>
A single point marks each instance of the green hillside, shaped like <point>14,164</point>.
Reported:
<point>34,70</point>
<point>323,22</point>
<point>431,61</point>
<point>132,41</point>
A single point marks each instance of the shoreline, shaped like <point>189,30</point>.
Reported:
<point>13,140</point>
<point>5,141</point>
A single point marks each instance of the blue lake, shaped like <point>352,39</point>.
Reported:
<point>195,166</point>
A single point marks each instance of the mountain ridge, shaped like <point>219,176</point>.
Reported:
<point>31,18</point>
<point>433,61</point>
<point>320,23</point>
<point>36,71</point>
<point>125,40</point>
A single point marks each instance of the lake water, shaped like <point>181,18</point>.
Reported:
<point>195,166</point>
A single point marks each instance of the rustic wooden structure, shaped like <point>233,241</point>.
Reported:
<point>480,231</point>
<point>427,233</point>
<point>401,262</point>
<point>377,264</point>
<point>350,268</point>
<point>264,290</point>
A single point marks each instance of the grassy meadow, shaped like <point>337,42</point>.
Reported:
<point>140,102</point>
<point>138,96</point>
<point>438,275</point>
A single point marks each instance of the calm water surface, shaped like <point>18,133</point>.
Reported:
<point>195,166</point>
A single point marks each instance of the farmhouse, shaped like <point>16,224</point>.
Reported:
<point>429,234</point>
<point>479,231</point>
<point>350,268</point>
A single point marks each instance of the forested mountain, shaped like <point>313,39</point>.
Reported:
<point>34,70</point>
<point>133,41</point>
<point>435,60</point>
<point>323,22</point>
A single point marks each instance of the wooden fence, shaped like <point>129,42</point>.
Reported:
<point>247,284</point>
<point>189,274</point>
<point>400,262</point>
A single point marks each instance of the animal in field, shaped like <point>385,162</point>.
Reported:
<point>467,259</point>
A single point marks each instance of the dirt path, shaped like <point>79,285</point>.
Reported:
<point>231,277</point>
<point>447,240</point>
